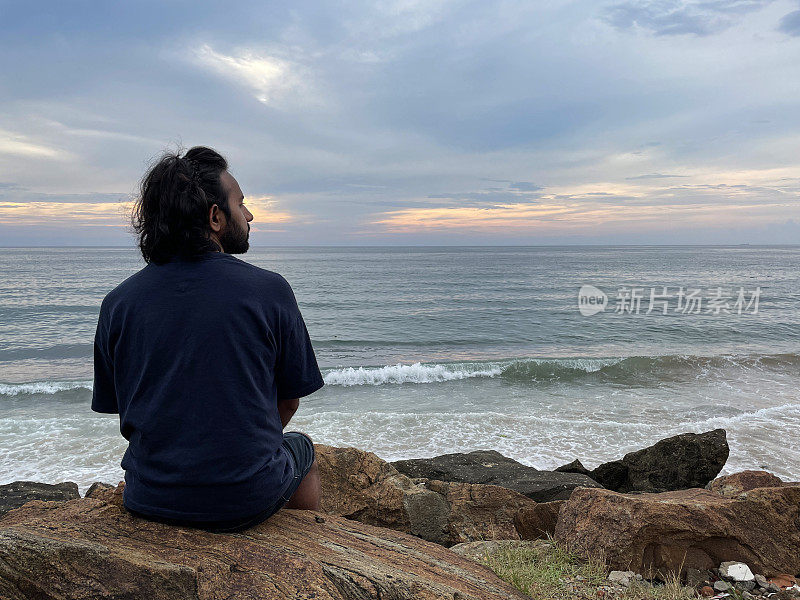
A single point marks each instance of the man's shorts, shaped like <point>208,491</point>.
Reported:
<point>301,453</point>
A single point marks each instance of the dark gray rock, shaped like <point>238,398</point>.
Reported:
<point>97,489</point>
<point>492,468</point>
<point>697,578</point>
<point>13,495</point>
<point>689,460</point>
<point>574,467</point>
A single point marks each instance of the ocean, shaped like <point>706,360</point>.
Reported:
<point>430,350</point>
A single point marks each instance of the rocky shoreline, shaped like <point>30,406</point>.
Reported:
<point>385,529</point>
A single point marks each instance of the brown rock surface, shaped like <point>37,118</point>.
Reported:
<point>93,548</point>
<point>538,521</point>
<point>696,528</point>
<point>360,486</point>
<point>733,485</point>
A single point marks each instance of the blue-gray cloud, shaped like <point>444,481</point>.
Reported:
<point>790,23</point>
<point>653,176</point>
<point>678,17</point>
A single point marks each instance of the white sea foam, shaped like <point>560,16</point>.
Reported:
<point>42,387</point>
<point>415,373</point>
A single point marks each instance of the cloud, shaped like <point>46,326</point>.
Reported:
<point>524,186</point>
<point>270,79</point>
<point>654,176</point>
<point>790,24</point>
<point>21,145</point>
<point>681,17</point>
<point>369,108</point>
<point>266,211</point>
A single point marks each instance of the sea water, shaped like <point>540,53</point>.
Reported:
<point>429,350</point>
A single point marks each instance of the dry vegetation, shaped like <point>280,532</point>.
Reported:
<point>547,571</point>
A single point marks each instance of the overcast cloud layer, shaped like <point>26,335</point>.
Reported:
<point>667,121</point>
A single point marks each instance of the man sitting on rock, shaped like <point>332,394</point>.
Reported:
<point>204,357</point>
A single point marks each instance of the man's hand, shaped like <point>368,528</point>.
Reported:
<point>286,409</point>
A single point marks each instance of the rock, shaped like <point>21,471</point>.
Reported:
<point>477,512</point>
<point>360,486</point>
<point>707,591</point>
<point>93,548</point>
<point>684,461</point>
<point>488,467</point>
<point>98,488</point>
<point>622,578</point>
<point>13,495</point>
<point>733,485</point>
<point>722,586</point>
<point>653,534</point>
<point>735,571</point>
<point>574,467</point>
<point>479,551</point>
<point>696,578</point>
<point>784,580</point>
<point>538,521</point>
<point>761,581</point>
<point>745,586</point>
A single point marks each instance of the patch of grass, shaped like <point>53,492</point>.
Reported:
<point>547,571</point>
<point>550,572</point>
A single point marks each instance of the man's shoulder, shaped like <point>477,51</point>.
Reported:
<point>231,275</point>
<point>266,281</point>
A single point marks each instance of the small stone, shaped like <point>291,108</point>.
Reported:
<point>696,578</point>
<point>623,578</point>
<point>761,581</point>
<point>319,519</point>
<point>747,596</point>
<point>745,586</point>
<point>706,591</point>
<point>735,571</point>
<point>722,586</point>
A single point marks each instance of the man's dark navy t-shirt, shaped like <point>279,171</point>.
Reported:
<point>194,355</point>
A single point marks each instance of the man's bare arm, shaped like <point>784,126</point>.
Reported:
<point>286,409</point>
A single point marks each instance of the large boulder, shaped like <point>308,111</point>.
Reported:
<point>538,521</point>
<point>733,485</point>
<point>93,548</point>
<point>488,467</point>
<point>689,460</point>
<point>659,533</point>
<point>360,486</point>
<point>13,495</point>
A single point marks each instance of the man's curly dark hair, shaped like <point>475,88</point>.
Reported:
<point>170,216</point>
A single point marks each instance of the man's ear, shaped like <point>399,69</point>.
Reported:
<point>216,218</point>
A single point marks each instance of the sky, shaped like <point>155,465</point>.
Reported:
<point>407,122</point>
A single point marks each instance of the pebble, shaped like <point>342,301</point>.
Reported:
<point>722,586</point>
<point>621,577</point>
<point>761,581</point>
<point>707,591</point>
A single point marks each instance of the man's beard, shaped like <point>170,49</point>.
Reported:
<point>235,239</point>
